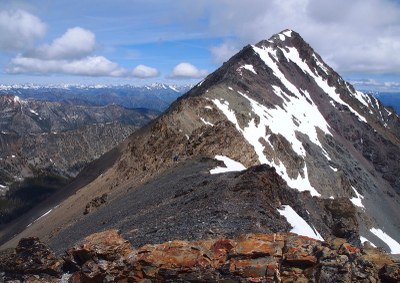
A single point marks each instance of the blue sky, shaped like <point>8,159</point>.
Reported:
<point>181,41</point>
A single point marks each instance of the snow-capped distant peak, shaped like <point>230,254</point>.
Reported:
<point>173,88</point>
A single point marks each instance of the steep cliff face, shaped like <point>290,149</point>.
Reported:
<point>335,153</point>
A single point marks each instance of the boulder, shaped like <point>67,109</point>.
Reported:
<point>31,257</point>
<point>103,257</point>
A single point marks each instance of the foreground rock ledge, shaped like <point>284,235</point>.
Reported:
<point>281,257</point>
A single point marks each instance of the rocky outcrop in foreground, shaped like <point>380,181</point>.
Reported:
<point>281,257</point>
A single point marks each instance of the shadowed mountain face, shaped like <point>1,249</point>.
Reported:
<point>335,153</point>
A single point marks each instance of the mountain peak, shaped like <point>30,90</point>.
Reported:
<point>275,103</point>
<point>284,42</point>
<point>286,37</point>
<point>295,112</point>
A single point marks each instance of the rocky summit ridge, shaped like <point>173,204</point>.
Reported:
<point>279,257</point>
<point>321,159</point>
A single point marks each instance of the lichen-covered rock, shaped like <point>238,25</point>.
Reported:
<point>101,258</point>
<point>31,257</point>
<point>279,257</point>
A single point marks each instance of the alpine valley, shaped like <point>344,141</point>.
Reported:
<point>272,142</point>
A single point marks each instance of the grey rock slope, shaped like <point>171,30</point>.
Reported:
<point>187,202</point>
<point>277,103</point>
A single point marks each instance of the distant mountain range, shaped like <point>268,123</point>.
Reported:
<point>155,96</point>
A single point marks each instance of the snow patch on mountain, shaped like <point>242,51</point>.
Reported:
<point>206,122</point>
<point>229,114</point>
<point>320,65</point>
<point>301,107</point>
<point>363,240</point>
<point>44,215</point>
<point>173,88</point>
<point>287,33</point>
<point>17,99</point>
<point>392,243</point>
<point>33,112</point>
<point>3,189</point>
<point>333,168</point>
<point>362,97</point>
<point>300,226</point>
<point>254,134</point>
<point>294,56</point>
<point>357,200</point>
<point>249,68</point>
<point>231,165</point>
<point>265,54</point>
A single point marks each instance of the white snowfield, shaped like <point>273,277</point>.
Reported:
<point>249,68</point>
<point>294,56</point>
<point>206,122</point>
<point>231,165</point>
<point>363,240</point>
<point>300,226</point>
<point>392,243</point>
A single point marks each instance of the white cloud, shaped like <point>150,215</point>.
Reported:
<point>88,66</point>
<point>18,30</point>
<point>187,70</point>
<point>376,85</point>
<point>69,54</point>
<point>352,36</point>
<point>223,52</point>
<point>142,71</point>
<point>74,43</point>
